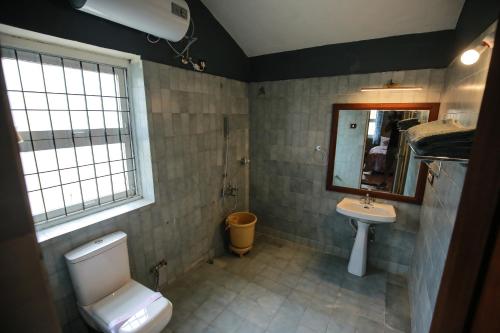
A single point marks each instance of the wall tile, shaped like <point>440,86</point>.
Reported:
<point>186,140</point>
<point>461,100</point>
<point>287,175</point>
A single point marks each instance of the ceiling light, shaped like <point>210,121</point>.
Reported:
<point>391,86</point>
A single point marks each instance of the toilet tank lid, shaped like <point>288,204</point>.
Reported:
<point>95,247</point>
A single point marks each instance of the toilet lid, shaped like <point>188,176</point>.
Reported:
<point>152,319</point>
<point>132,308</point>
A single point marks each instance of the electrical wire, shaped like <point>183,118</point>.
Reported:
<point>186,48</point>
<point>153,41</point>
<point>184,53</point>
<point>191,40</point>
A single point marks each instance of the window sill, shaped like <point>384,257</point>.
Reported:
<point>44,235</point>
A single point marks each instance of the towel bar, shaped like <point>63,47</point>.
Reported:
<point>424,158</point>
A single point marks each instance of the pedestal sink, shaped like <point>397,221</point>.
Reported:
<point>365,213</point>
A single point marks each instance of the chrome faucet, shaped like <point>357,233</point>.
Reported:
<point>367,200</point>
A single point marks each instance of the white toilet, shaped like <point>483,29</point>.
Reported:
<point>109,300</point>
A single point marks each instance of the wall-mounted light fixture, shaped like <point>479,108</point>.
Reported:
<point>391,86</point>
<point>471,56</point>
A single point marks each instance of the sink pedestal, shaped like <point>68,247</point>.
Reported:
<point>357,262</point>
<point>364,214</point>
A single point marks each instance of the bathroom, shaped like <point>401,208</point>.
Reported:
<point>249,106</point>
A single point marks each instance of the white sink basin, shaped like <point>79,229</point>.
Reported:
<point>364,214</point>
<point>372,213</point>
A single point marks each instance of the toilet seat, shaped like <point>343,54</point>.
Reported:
<point>131,309</point>
<point>152,319</point>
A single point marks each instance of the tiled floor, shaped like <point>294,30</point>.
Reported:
<point>284,288</point>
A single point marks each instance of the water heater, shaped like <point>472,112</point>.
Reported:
<point>168,19</point>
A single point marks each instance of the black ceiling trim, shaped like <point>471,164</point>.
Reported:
<point>406,52</point>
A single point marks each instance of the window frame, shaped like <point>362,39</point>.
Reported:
<point>24,40</point>
<point>371,121</point>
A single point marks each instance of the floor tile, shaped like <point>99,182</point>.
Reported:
<point>283,324</point>
<point>227,322</point>
<point>270,302</point>
<point>248,327</point>
<point>292,309</point>
<point>191,325</point>
<point>397,314</point>
<point>209,310</point>
<point>275,287</point>
<point>315,320</point>
<point>303,329</point>
<point>282,287</point>
<point>335,326</point>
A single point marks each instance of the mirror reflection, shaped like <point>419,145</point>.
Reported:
<point>371,152</point>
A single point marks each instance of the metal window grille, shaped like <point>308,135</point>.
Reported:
<point>73,122</point>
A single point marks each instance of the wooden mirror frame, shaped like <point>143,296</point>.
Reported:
<point>433,109</point>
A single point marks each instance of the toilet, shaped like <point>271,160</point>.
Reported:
<point>108,298</point>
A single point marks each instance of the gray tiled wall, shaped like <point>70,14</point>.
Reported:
<point>461,100</point>
<point>287,188</point>
<point>185,111</point>
<point>288,177</point>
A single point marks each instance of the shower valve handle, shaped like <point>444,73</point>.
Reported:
<point>244,161</point>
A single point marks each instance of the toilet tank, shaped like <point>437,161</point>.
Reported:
<point>99,267</point>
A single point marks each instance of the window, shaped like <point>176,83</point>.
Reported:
<point>372,123</point>
<point>74,126</point>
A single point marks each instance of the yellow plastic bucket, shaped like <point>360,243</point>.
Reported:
<point>241,227</point>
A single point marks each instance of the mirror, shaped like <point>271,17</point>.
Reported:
<point>369,153</point>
